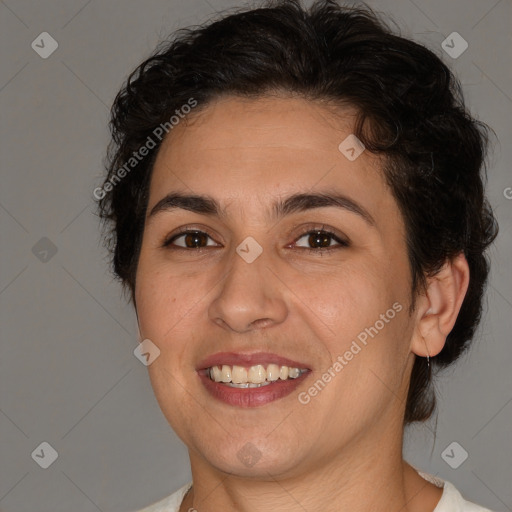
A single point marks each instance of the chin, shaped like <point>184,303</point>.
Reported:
<point>251,456</point>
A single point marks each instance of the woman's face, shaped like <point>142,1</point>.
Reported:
<point>247,284</point>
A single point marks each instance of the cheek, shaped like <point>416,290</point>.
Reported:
<point>163,300</point>
<point>364,308</point>
<point>349,298</point>
<point>165,309</point>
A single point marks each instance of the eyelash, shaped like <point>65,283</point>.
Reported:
<point>311,231</point>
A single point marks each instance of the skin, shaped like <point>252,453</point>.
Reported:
<point>343,450</point>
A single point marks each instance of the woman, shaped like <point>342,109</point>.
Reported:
<point>303,249</point>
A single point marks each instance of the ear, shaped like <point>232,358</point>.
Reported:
<point>437,310</point>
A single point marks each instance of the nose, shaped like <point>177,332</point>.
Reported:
<point>250,297</point>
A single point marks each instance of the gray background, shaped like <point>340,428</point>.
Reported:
<point>68,375</point>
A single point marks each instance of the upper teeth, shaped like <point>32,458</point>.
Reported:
<point>254,374</point>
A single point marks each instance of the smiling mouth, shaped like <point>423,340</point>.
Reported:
<point>253,376</point>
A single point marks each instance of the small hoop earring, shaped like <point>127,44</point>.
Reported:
<point>428,355</point>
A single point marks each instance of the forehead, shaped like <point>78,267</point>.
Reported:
<point>251,149</point>
<point>279,122</point>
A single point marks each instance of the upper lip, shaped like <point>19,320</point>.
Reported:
<point>248,359</point>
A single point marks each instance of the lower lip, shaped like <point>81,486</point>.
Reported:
<point>251,397</point>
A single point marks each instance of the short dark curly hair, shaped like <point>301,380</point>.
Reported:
<point>410,110</point>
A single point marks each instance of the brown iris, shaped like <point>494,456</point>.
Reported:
<point>320,238</point>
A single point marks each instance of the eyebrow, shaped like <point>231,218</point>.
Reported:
<point>206,205</point>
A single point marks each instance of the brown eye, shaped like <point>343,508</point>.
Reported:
<point>321,239</point>
<point>189,240</point>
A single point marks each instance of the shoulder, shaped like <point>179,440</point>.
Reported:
<point>451,499</point>
<point>170,503</point>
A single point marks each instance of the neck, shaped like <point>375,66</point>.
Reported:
<point>368,474</point>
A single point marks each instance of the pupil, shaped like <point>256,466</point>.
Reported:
<point>192,239</point>
<point>322,239</point>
